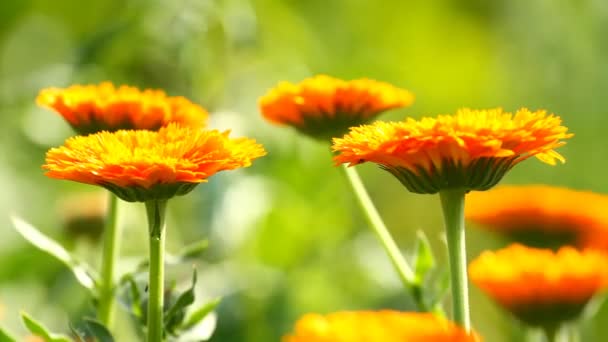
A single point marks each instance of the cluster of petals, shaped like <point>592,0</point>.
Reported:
<point>148,159</point>
<point>480,144</point>
<point>515,211</point>
<point>521,278</point>
<point>104,107</point>
<point>322,105</point>
<point>377,326</point>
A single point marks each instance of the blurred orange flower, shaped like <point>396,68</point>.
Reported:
<point>541,215</point>
<point>324,107</point>
<point>33,338</point>
<point>539,286</point>
<point>377,326</point>
<point>472,149</point>
<point>140,165</point>
<point>104,107</point>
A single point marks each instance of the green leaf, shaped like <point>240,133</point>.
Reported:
<point>199,314</point>
<point>424,261</point>
<point>82,271</point>
<point>193,250</point>
<point>175,315</point>
<point>80,335</point>
<point>437,288</point>
<point>98,330</point>
<point>130,296</point>
<point>40,330</point>
<point>6,337</point>
<point>91,328</point>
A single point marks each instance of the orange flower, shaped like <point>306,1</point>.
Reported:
<point>542,215</point>
<point>472,149</point>
<point>324,107</point>
<point>377,326</point>
<point>103,107</point>
<point>539,286</point>
<point>140,165</point>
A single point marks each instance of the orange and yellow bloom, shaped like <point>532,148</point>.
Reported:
<point>542,215</point>
<point>377,326</point>
<point>324,107</point>
<point>539,286</point>
<point>104,107</point>
<point>140,165</point>
<point>472,149</point>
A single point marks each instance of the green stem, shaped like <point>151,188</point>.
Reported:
<point>552,333</point>
<point>574,334</point>
<point>384,236</point>
<point>155,210</point>
<point>111,248</point>
<point>452,202</point>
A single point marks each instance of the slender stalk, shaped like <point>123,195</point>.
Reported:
<point>574,334</point>
<point>452,202</point>
<point>111,248</point>
<point>531,334</point>
<point>553,333</point>
<point>384,236</point>
<point>155,210</point>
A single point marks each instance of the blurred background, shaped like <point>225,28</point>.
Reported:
<point>286,235</point>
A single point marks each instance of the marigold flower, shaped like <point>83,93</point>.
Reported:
<point>541,215</point>
<point>472,149</point>
<point>539,286</point>
<point>104,107</point>
<point>377,326</point>
<point>140,165</point>
<point>324,107</point>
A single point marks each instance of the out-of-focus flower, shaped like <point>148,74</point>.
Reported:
<point>140,165</point>
<point>541,215</point>
<point>83,214</point>
<point>539,286</point>
<point>104,107</point>
<point>33,338</point>
<point>324,107</point>
<point>470,150</point>
<point>377,326</point>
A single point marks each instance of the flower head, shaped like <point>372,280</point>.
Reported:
<point>140,165</point>
<point>541,215</point>
<point>104,107</point>
<point>539,286</point>
<point>377,326</point>
<point>324,107</point>
<point>472,149</point>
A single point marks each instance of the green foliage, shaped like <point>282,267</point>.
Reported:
<point>197,315</point>
<point>93,329</point>
<point>179,315</point>
<point>40,330</point>
<point>177,311</point>
<point>424,261</point>
<point>191,251</point>
<point>33,235</point>
<point>431,282</point>
<point>6,337</point>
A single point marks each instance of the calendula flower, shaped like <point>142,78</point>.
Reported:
<point>324,107</point>
<point>377,326</point>
<point>104,107</point>
<point>471,150</point>
<point>541,215</point>
<point>140,165</point>
<point>539,286</point>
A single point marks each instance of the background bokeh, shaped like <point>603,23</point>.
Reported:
<point>286,236</point>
